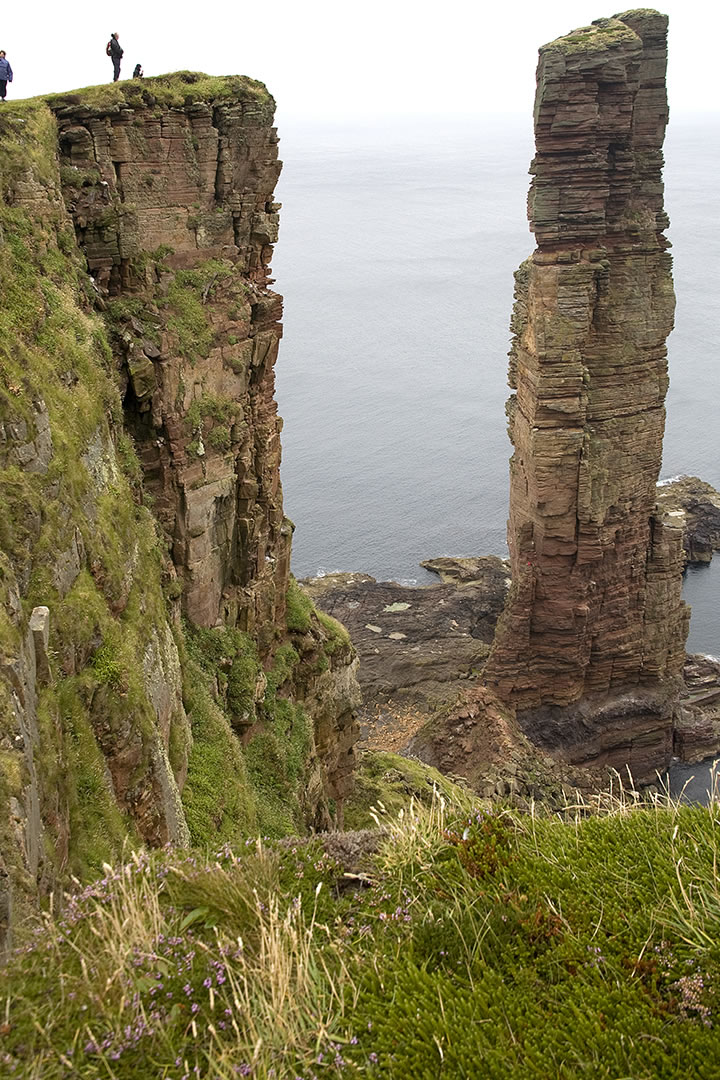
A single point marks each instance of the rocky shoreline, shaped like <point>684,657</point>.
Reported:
<point>422,650</point>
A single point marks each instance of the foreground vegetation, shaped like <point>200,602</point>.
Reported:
<point>472,942</point>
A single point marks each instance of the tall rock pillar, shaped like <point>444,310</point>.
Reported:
<point>593,633</point>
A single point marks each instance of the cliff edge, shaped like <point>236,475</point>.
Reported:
<point>162,677</point>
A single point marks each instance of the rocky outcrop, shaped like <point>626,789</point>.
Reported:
<point>174,210</point>
<point>594,629</point>
<point>136,227</point>
<point>697,726</point>
<point>173,207</point>
<point>418,647</point>
<point>695,507</point>
<point>85,741</point>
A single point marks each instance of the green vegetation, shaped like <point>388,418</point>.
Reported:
<point>474,942</point>
<point>70,526</point>
<point>210,413</point>
<point>99,831</point>
<point>299,608</point>
<point>72,176</point>
<point>229,657</point>
<point>187,295</point>
<point>218,797</point>
<point>29,139</point>
<point>219,438</point>
<point>251,743</point>
<point>385,783</point>
<point>600,35</point>
<point>172,90</point>
<point>144,260</point>
<point>337,635</point>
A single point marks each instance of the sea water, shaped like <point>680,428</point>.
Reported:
<point>398,243</point>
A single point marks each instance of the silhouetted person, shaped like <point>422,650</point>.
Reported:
<point>6,74</point>
<point>115,52</point>
<point>138,72</point>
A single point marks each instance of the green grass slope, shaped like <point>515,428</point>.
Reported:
<point>55,362</point>
<point>486,944</point>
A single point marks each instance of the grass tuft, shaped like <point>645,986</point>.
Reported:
<point>541,945</point>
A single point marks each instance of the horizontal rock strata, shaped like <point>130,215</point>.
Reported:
<point>174,210</point>
<point>695,506</point>
<point>595,607</point>
<point>697,726</point>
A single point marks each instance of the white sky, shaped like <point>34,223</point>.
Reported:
<point>333,58</point>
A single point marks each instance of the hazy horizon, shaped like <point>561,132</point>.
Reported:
<point>393,57</point>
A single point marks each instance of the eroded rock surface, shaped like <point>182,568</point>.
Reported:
<point>418,646</point>
<point>174,209</point>
<point>697,727</point>
<point>595,619</point>
<point>695,506</point>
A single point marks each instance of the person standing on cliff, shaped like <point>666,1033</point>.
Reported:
<point>6,74</point>
<point>115,52</point>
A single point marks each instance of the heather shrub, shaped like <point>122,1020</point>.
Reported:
<point>475,941</point>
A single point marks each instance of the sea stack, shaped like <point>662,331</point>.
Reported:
<point>592,640</point>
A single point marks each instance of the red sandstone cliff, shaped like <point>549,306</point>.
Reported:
<point>118,723</point>
<point>595,614</point>
<point>174,210</point>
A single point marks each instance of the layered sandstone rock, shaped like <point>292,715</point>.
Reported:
<point>595,612</point>
<point>111,708</point>
<point>695,506</point>
<point>697,727</point>
<point>173,207</point>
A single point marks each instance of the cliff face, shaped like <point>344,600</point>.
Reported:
<point>140,452</point>
<point>595,613</point>
<point>174,211</point>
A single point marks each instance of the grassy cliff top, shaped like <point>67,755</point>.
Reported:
<point>173,90</point>
<point>601,34</point>
<point>541,947</point>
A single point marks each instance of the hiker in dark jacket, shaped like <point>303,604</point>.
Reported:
<point>115,52</point>
<point>6,74</point>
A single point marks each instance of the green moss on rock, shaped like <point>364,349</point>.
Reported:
<point>252,743</point>
<point>98,829</point>
<point>219,800</point>
<point>601,35</point>
<point>299,608</point>
<point>172,90</point>
<point>385,783</point>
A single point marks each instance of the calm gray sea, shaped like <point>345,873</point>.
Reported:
<point>397,249</point>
